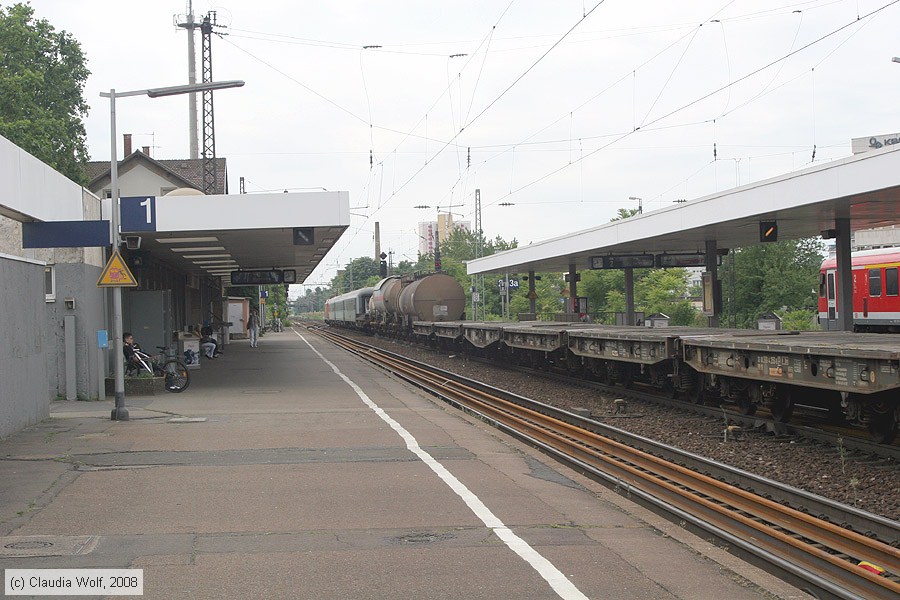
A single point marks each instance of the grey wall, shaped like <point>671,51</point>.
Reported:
<point>79,282</point>
<point>23,331</point>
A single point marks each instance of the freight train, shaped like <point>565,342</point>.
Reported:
<point>876,290</point>
<point>853,376</point>
<point>393,304</point>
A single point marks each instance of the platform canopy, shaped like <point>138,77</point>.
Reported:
<point>865,188</point>
<point>198,234</point>
<point>214,235</point>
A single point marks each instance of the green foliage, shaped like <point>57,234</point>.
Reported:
<point>359,273</point>
<point>312,301</point>
<point>42,76</point>
<point>277,302</point>
<point>798,319</point>
<point>780,277</point>
<point>245,291</point>
<point>624,213</point>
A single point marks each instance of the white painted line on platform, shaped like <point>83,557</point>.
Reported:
<point>557,580</point>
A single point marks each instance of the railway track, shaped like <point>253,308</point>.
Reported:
<point>806,422</point>
<point>767,523</point>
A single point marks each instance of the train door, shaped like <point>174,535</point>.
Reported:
<point>831,299</point>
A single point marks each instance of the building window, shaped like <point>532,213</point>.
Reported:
<point>874,282</point>
<point>50,284</point>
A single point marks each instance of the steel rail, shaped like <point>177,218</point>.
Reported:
<point>826,552</point>
<point>849,438</point>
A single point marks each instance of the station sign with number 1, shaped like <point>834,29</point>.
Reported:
<point>138,213</point>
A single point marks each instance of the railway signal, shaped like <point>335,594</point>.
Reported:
<point>768,231</point>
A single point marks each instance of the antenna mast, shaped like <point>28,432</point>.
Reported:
<point>187,22</point>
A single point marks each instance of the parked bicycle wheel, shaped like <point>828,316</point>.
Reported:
<point>178,378</point>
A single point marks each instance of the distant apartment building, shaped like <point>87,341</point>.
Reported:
<point>432,231</point>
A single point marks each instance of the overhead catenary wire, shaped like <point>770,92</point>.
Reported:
<point>701,98</point>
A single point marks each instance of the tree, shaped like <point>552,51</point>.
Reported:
<point>624,213</point>
<point>42,77</point>
<point>780,277</point>
<point>665,291</point>
<point>359,273</point>
<point>245,291</point>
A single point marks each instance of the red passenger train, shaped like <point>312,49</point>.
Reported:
<point>876,291</point>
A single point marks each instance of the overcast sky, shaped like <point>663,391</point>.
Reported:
<point>565,109</point>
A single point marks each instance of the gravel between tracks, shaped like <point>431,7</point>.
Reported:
<point>856,480</point>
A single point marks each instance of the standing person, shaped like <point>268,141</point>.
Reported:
<point>253,328</point>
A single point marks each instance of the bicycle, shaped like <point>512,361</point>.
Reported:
<point>178,378</point>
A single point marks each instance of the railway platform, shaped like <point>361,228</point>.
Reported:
<point>295,470</point>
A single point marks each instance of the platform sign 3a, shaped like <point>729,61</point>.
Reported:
<point>116,273</point>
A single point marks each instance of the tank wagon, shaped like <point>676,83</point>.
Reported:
<point>393,304</point>
<point>854,376</point>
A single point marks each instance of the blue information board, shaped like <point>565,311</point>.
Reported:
<point>102,339</point>
<point>65,234</point>
<point>138,213</point>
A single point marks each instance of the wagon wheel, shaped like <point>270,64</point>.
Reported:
<point>749,401</point>
<point>883,422</point>
<point>696,394</point>
<point>626,376</point>
<point>670,390</point>
<point>602,372</point>
<point>574,365</point>
<point>782,405</point>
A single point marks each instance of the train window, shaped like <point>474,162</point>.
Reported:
<point>831,286</point>
<point>821,285</point>
<point>891,287</point>
<point>874,282</point>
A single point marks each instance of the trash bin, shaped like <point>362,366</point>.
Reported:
<point>189,352</point>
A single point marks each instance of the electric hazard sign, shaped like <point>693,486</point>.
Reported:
<point>116,273</point>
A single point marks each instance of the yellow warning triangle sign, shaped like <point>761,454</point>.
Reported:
<point>116,273</point>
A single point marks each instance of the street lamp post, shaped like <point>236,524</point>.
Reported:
<point>119,412</point>
<point>640,202</point>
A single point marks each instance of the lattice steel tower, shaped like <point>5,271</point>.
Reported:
<point>209,125</point>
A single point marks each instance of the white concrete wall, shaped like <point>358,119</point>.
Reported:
<point>33,190</point>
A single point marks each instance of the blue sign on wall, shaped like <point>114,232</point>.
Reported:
<point>65,234</point>
<point>138,213</point>
<point>102,339</point>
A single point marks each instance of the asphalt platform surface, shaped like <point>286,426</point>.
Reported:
<point>272,477</point>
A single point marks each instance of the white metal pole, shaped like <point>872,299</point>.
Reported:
<point>506,287</point>
<point>119,413</point>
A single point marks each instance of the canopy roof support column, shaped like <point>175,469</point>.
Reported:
<point>629,296</point>
<point>532,295</point>
<point>845,275</point>
<point>712,263</point>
